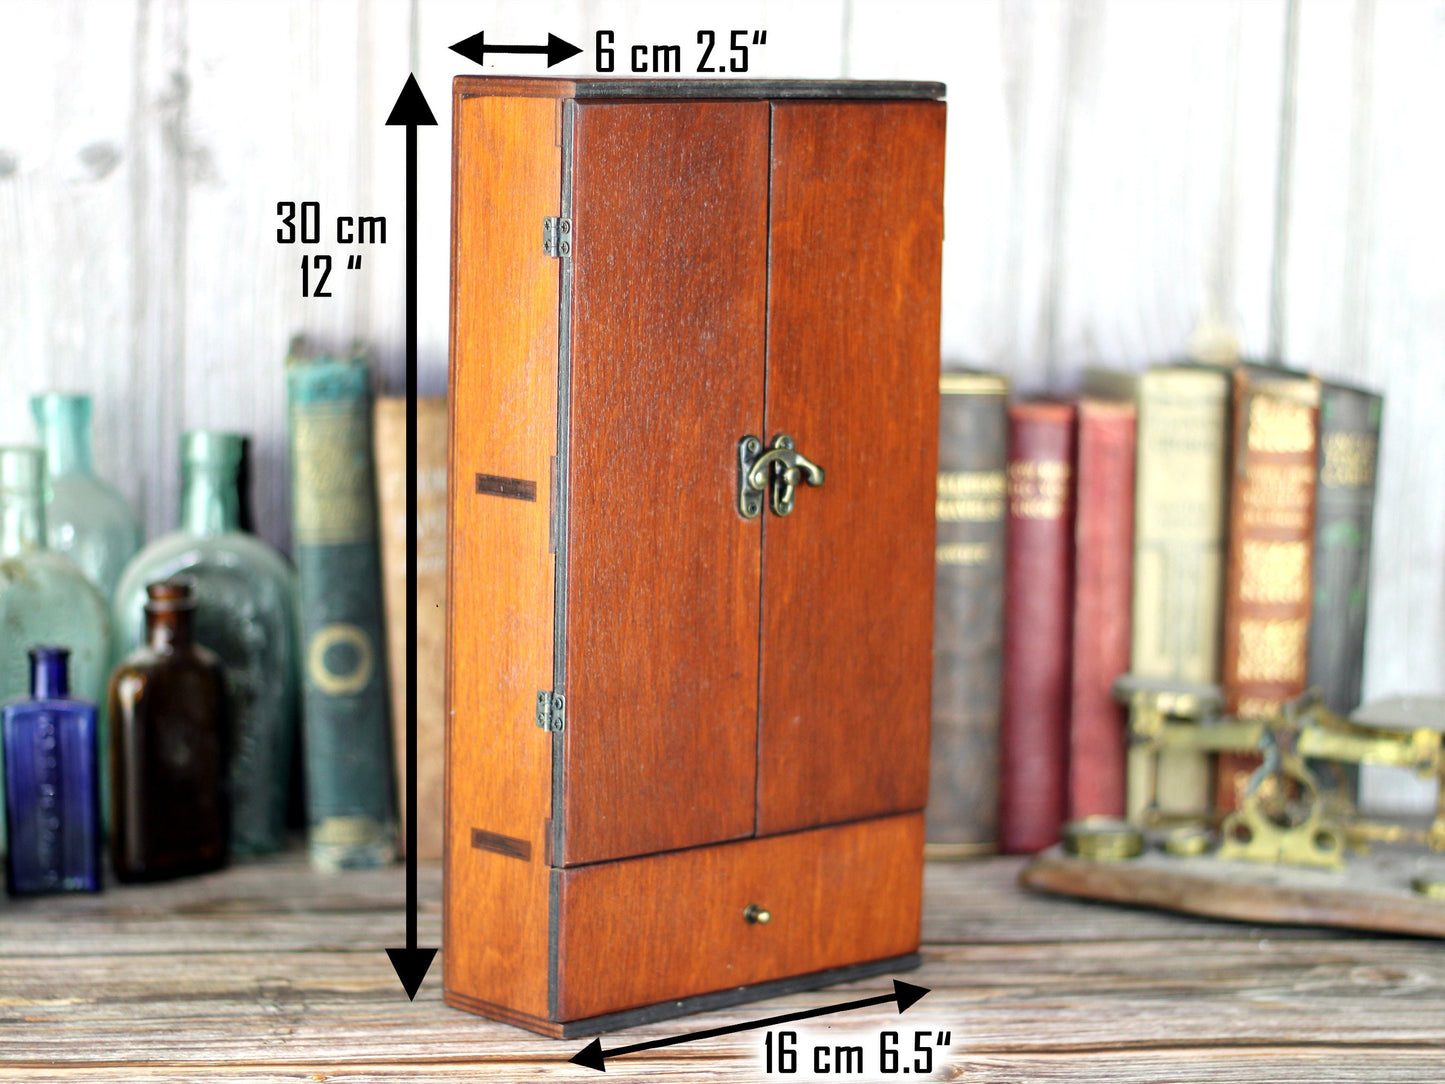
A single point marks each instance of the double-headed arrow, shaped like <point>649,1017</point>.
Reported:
<point>411,963</point>
<point>476,48</point>
<point>593,1056</point>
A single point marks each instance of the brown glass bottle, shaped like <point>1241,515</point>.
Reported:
<point>169,747</point>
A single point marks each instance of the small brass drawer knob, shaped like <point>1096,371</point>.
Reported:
<point>757,916</point>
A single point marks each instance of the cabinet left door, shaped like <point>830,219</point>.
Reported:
<point>667,337</point>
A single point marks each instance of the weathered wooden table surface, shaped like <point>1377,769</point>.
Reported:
<point>269,972</point>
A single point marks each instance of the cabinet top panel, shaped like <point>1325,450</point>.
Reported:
<point>479,86</point>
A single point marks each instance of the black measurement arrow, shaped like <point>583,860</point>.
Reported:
<point>476,48</point>
<point>411,963</point>
<point>592,1055</point>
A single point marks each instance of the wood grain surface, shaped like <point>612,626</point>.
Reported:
<point>847,636</point>
<point>500,574</point>
<point>670,230</point>
<point>269,972</point>
<point>670,926</point>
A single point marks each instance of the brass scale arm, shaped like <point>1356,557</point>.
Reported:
<point>1176,716</point>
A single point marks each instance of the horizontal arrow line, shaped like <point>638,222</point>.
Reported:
<point>712,1033</point>
<point>904,996</point>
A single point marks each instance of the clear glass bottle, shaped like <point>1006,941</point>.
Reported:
<point>85,518</point>
<point>44,597</point>
<point>169,747</point>
<point>52,784</point>
<point>246,613</point>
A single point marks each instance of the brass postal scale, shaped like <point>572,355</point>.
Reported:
<point>1295,848</point>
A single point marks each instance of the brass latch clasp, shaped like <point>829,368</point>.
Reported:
<point>782,466</point>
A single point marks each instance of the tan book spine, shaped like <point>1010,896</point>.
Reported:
<point>431,579</point>
<point>1178,558</point>
<point>1267,593</point>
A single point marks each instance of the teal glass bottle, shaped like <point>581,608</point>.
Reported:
<point>44,597</point>
<point>85,518</point>
<point>245,595</point>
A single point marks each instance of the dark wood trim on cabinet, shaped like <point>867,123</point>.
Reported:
<point>469,86</point>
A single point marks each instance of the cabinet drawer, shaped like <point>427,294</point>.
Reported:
<point>644,930</point>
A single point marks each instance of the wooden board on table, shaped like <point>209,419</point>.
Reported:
<point>1372,892</point>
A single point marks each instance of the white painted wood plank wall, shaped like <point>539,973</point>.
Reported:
<point>1118,172</point>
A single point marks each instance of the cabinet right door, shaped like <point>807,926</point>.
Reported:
<point>856,230</point>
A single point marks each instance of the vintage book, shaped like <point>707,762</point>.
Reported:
<point>347,737</point>
<point>1349,438</point>
<point>1103,588</point>
<point>1038,574</point>
<point>1183,415</point>
<point>431,583</point>
<point>962,814</point>
<point>1264,650</point>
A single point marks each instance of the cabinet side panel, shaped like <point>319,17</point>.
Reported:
<point>856,239</point>
<point>674,925</point>
<point>670,258</point>
<point>506,179</point>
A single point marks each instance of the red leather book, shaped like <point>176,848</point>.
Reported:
<point>1038,569</point>
<point>1103,574</point>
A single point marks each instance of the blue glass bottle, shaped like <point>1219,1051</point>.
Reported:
<point>52,784</point>
<point>44,597</point>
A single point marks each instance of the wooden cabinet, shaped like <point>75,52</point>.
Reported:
<point>668,719</point>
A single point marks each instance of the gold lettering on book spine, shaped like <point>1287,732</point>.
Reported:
<point>1272,650</point>
<point>963,553</point>
<point>1349,460</point>
<point>970,496</point>
<point>332,501</point>
<point>1038,489</point>
<point>1280,426</point>
<point>1274,572</point>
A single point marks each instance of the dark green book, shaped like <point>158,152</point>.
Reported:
<point>351,820</point>
<point>1344,514</point>
<point>962,816</point>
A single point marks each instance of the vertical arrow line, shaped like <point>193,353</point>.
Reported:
<point>411,963</point>
<point>411,458</point>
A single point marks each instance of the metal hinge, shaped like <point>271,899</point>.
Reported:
<point>557,236</point>
<point>550,710</point>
